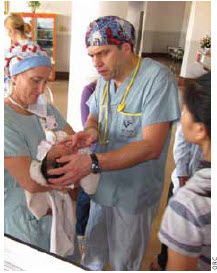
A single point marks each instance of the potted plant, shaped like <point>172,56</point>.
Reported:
<point>205,44</point>
<point>34,5</point>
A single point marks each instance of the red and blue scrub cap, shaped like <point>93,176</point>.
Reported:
<point>110,30</point>
<point>22,57</point>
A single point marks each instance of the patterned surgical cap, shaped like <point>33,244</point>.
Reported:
<point>22,57</point>
<point>110,30</point>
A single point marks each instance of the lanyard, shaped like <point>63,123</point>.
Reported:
<point>17,104</point>
<point>46,122</point>
<point>33,108</point>
<point>120,108</point>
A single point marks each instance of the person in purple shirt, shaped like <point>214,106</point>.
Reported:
<point>83,201</point>
<point>87,92</point>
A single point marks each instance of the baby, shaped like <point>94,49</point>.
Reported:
<point>49,150</point>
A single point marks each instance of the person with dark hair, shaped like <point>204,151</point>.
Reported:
<point>189,244</point>
<point>130,119</point>
<point>187,157</point>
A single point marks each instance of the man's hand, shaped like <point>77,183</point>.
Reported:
<point>76,167</point>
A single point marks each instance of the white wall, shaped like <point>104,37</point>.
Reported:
<point>63,10</point>
<point>118,8</point>
<point>81,68</point>
<point>199,25</point>
<point>133,15</point>
<point>163,22</point>
<point>185,23</point>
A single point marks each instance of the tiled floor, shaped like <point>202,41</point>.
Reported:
<point>59,89</point>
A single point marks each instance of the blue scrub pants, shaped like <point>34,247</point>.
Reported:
<point>116,237</point>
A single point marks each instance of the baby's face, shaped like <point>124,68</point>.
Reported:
<point>48,165</point>
<point>51,164</point>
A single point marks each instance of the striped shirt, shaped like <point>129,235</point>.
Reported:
<point>186,224</point>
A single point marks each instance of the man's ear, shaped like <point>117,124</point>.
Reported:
<point>126,47</point>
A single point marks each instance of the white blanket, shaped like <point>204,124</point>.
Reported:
<point>63,214</point>
<point>62,206</point>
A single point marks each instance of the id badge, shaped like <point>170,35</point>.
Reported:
<point>51,122</point>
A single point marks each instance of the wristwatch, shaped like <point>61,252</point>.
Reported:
<point>95,168</point>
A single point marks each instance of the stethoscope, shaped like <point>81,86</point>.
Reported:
<point>120,109</point>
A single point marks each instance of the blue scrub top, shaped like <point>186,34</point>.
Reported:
<point>22,135</point>
<point>154,95</point>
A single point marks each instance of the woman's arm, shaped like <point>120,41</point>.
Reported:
<point>19,168</point>
<point>60,149</point>
<point>180,262</point>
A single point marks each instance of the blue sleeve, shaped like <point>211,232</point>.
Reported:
<point>161,104</point>
<point>181,152</point>
<point>14,144</point>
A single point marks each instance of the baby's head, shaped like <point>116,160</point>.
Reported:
<point>48,165</point>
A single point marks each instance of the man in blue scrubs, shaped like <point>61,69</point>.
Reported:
<point>131,114</point>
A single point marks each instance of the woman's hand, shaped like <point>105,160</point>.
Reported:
<point>83,139</point>
<point>59,150</point>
